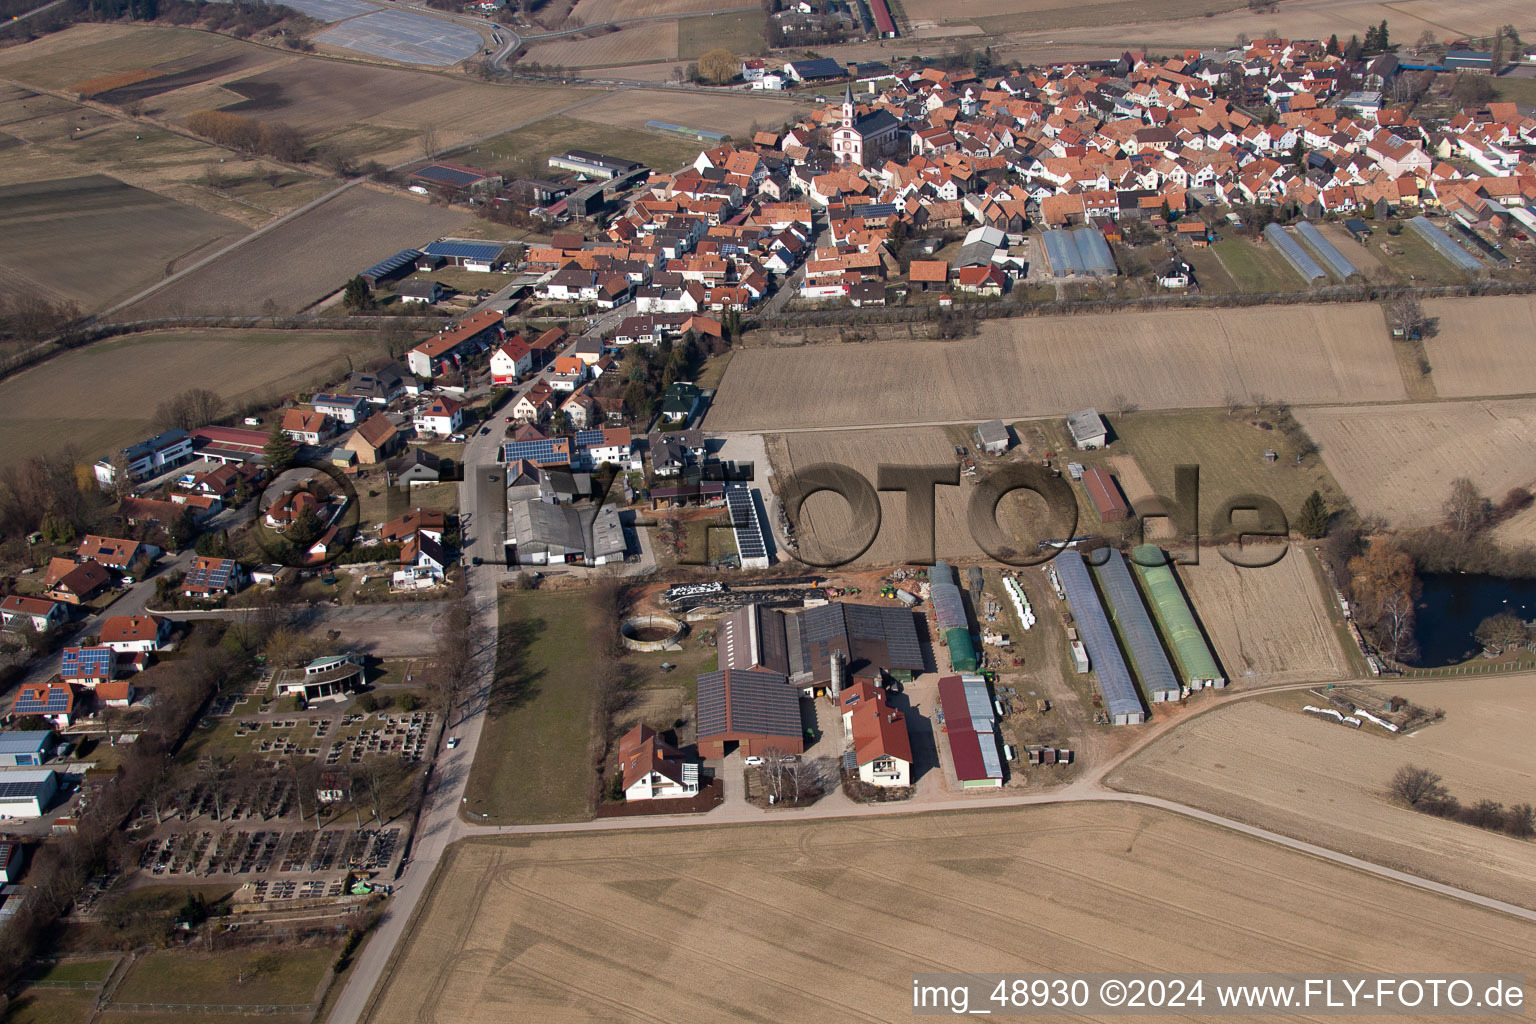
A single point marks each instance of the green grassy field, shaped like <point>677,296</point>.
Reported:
<point>277,977</point>
<point>1419,263</point>
<point>1516,90</point>
<point>1211,276</point>
<point>1255,268</point>
<point>50,1006</point>
<point>536,143</point>
<point>741,33</point>
<point>1229,451</point>
<point>73,972</point>
<point>534,759</point>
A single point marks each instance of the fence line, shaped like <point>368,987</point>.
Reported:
<point>251,1008</point>
<point>1468,669</point>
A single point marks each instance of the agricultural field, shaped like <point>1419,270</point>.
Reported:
<point>595,12</point>
<point>1023,367</point>
<point>298,263</point>
<point>532,923</point>
<point>1230,453</point>
<point>533,763</point>
<point>1398,461</point>
<point>127,378</point>
<point>741,33</point>
<point>1289,772</point>
<point>94,240</point>
<point>527,149</point>
<point>648,40</point>
<point>1482,347</point>
<point>289,977</point>
<point>733,114</point>
<point>1269,625</point>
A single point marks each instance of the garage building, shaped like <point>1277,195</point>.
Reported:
<point>27,792</point>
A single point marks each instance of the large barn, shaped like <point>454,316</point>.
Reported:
<point>754,708</point>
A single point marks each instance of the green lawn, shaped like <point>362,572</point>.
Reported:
<point>73,972</point>
<point>281,977</point>
<point>534,762</point>
<point>1257,268</point>
<point>1229,451</point>
<point>1419,263</point>
<point>1516,90</point>
<point>524,147</point>
<point>741,33</point>
<point>49,1006</point>
<point>1210,275</point>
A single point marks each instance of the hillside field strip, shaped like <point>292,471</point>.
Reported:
<point>126,378</point>
<point>649,40</point>
<point>749,913</point>
<point>1023,367</point>
<point>1288,772</point>
<point>372,112</point>
<point>1398,461</point>
<point>595,12</point>
<point>1484,348</point>
<point>71,238</point>
<point>733,114</point>
<point>300,262</point>
<point>740,32</point>
<point>1268,625</point>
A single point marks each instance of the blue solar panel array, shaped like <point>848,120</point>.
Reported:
<point>1326,251</point>
<point>1294,254</point>
<point>749,536</point>
<point>483,252</point>
<point>549,451</point>
<point>448,175</point>
<point>56,699</point>
<point>87,662</point>
<point>214,575</point>
<point>1441,243</point>
<point>1115,683</point>
<point>384,268</point>
<point>589,438</point>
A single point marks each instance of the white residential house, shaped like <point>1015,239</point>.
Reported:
<point>442,416</point>
<point>653,768</point>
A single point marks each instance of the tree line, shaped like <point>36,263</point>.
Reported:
<point>248,135</point>
<point>1425,791</point>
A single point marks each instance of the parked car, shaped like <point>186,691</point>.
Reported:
<point>752,759</point>
<point>453,741</point>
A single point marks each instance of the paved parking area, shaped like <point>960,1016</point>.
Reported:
<point>405,37</point>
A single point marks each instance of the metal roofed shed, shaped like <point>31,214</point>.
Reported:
<point>466,253</point>
<point>993,436</point>
<point>26,748</point>
<point>1105,495</point>
<point>1442,244</point>
<point>1335,261</point>
<point>1136,629</point>
<point>1115,686</point>
<point>1087,429</point>
<point>1294,254</point>
<point>454,176</point>
<point>399,265</point>
<point>972,732</point>
<point>1177,619</point>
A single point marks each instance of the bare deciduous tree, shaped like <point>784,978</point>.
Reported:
<point>1466,509</point>
<point>1406,314</point>
<point>1414,786</point>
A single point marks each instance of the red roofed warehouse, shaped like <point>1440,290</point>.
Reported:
<point>1104,492</point>
<point>754,708</point>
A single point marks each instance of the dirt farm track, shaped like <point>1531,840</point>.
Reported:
<point>827,921</point>
<point>1040,366</point>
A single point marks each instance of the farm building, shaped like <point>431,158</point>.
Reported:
<point>751,545</point>
<point>466,253</point>
<point>949,613</point>
<point>27,792</point>
<point>653,768</point>
<point>967,709</point>
<point>593,165</point>
<point>1468,60</point>
<point>882,750</point>
<point>1087,429</point>
<point>1121,703</point>
<point>1137,633</point>
<point>540,533</point>
<point>397,266</point>
<point>1294,254</point>
<point>1081,252</point>
<point>993,436</point>
<point>1442,244</point>
<point>754,708</point>
<point>1104,492</point>
<point>449,177</point>
<point>27,748</point>
<point>853,641</point>
<point>1177,619</point>
<point>816,70</point>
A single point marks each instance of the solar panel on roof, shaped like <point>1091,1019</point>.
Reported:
<point>394,263</point>
<point>749,537</point>
<point>548,451</point>
<point>19,790</point>
<point>448,175</point>
<point>89,661</point>
<point>54,701</point>
<point>481,251</point>
<point>588,438</point>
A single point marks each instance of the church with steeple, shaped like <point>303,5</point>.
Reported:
<point>863,139</point>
